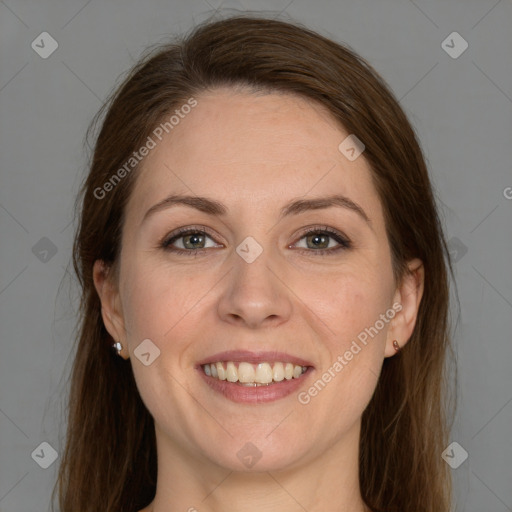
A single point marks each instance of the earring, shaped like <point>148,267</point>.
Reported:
<point>118,347</point>
<point>396,345</point>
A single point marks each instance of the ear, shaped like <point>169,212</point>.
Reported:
<point>111,310</point>
<point>408,295</point>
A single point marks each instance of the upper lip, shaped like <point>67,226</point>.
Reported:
<point>255,357</point>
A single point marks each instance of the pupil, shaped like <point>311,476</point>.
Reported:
<point>193,239</point>
<point>318,238</point>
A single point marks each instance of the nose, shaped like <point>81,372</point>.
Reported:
<point>255,294</point>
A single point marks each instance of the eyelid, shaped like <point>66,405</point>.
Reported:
<point>322,229</point>
<point>180,232</point>
<point>343,241</point>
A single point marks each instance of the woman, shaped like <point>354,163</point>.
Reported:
<point>296,361</point>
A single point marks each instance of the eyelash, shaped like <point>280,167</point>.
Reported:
<point>344,242</point>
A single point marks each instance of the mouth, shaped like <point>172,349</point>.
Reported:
<point>252,375</point>
<point>247,377</point>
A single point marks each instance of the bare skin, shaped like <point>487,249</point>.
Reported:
<point>255,153</point>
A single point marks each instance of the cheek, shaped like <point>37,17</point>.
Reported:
<point>156,302</point>
<point>160,306</point>
<point>355,309</point>
<point>352,302</point>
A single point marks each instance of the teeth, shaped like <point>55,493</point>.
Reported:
<point>278,372</point>
<point>264,373</point>
<point>231,373</point>
<point>220,371</point>
<point>248,374</point>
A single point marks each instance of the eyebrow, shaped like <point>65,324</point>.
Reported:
<point>294,207</point>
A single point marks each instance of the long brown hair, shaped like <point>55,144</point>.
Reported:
<point>110,461</point>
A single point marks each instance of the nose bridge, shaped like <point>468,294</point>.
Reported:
<point>254,292</point>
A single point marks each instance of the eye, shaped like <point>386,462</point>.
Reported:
<point>192,241</point>
<point>318,239</point>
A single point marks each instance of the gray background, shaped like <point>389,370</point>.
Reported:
<point>461,109</point>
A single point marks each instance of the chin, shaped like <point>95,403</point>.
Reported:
<point>257,456</point>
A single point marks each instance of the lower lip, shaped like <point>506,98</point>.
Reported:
<point>255,394</point>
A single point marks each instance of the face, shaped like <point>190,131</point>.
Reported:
<point>310,286</point>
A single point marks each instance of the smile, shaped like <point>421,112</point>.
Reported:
<point>253,375</point>
<point>248,377</point>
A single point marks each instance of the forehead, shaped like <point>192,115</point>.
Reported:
<point>242,147</point>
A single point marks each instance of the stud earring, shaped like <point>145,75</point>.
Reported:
<point>118,347</point>
<point>396,346</point>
